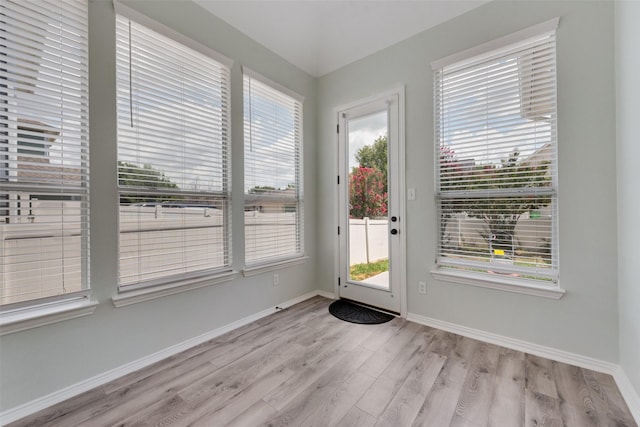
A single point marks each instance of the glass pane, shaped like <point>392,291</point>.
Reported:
<point>368,234</point>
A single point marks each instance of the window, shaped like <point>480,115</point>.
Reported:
<point>173,157</point>
<point>44,152</point>
<point>273,217</point>
<point>496,171</point>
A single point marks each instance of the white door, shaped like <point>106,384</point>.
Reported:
<point>369,207</point>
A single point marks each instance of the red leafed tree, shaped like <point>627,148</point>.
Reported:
<point>367,197</point>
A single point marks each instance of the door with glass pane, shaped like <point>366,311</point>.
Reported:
<point>369,211</point>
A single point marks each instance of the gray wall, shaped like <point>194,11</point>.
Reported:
<point>46,359</point>
<point>585,320</point>
<point>628,111</point>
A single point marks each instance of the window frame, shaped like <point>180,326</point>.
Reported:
<point>176,283</point>
<point>467,271</point>
<point>259,265</point>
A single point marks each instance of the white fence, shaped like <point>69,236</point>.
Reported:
<point>32,265</point>
<point>534,234</point>
<point>368,240</point>
<point>32,249</point>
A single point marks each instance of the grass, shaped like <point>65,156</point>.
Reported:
<point>361,272</point>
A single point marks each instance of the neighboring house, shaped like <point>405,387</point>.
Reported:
<point>271,201</point>
<point>33,159</point>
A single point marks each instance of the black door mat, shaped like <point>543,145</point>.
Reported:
<point>354,313</point>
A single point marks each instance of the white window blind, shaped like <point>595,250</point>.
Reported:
<point>44,151</point>
<point>173,159</point>
<point>496,161</point>
<point>272,172</point>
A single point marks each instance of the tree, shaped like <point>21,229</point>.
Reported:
<point>366,195</point>
<point>375,156</point>
<point>500,214</point>
<point>146,176</point>
<point>261,189</point>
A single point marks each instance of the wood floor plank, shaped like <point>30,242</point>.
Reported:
<point>507,407</point>
<point>302,367</point>
<point>443,342</point>
<point>312,367</point>
<point>139,396</point>
<point>382,333</point>
<point>573,416</point>
<point>609,405</point>
<point>210,391</point>
<point>163,412</point>
<point>340,403</point>
<point>410,354</point>
<point>576,404</point>
<point>215,391</point>
<point>390,350</point>
<point>579,409</point>
<point>406,404</point>
<point>245,399</point>
<point>571,385</point>
<point>378,396</point>
<point>539,376</point>
<point>357,418</point>
<point>475,398</point>
<point>243,371</point>
<point>465,348</point>
<point>309,397</point>
<point>541,410</point>
<point>257,414</point>
<point>440,404</point>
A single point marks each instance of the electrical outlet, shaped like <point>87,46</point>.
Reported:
<point>422,287</point>
<point>276,279</point>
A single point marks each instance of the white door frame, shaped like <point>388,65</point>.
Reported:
<point>401,210</point>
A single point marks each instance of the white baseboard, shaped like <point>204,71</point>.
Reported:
<point>326,294</point>
<point>44,402</point>
<point>629,393</point>
<point>519,345</point>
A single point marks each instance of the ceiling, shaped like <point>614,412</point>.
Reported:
<point>320,36</point>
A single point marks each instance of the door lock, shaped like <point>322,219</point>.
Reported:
<point>394,231</point>
<point>394,218</point>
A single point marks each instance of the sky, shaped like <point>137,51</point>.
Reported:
<point>364,131</point>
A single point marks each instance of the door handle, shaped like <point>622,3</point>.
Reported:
<point>394,231</point>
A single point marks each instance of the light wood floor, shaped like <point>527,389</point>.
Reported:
<point>302,367</point>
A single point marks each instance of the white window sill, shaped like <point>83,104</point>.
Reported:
<point>254,270</point>
<point>136,296</point>
<point>46,314</point>
<point>502,283</point>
